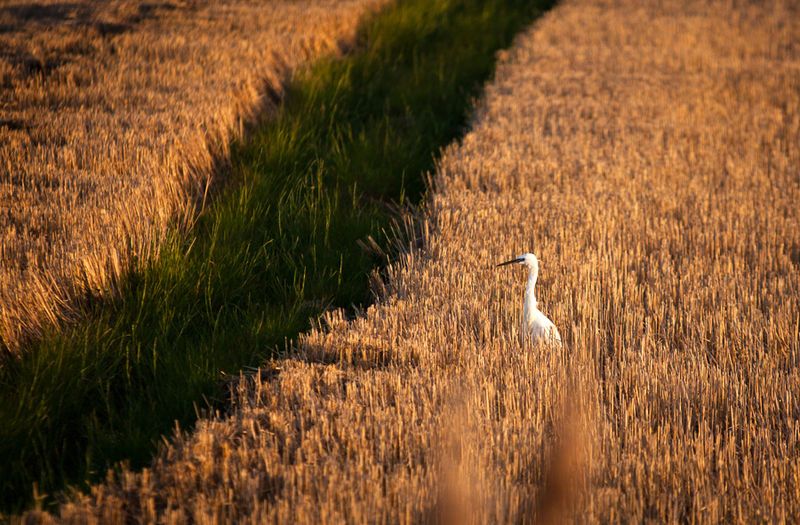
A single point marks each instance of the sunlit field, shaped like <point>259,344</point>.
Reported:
<point>114,118</point>
<point>648,152</point>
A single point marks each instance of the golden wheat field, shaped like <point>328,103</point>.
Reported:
<point>648,152</point>
<point>113,116</point>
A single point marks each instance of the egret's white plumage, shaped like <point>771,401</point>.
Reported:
<point>535,324</point>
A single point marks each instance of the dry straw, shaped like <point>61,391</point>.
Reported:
<point>112,116</point>
<point>649,151</point>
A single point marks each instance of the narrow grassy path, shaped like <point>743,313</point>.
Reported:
<point>278,247</point>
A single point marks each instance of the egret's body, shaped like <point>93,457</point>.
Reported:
<point>535,324</point>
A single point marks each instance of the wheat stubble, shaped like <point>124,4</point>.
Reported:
<point>114,115</point>
<point>648,152</point>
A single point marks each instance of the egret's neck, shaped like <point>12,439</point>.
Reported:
<point>530,293</point>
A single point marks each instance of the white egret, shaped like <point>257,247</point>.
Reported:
<point>534,323</point>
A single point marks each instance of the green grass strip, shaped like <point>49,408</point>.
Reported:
<point>278,247</point>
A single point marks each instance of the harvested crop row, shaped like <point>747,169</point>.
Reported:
<point>648,152</point>
<point>113,114</point>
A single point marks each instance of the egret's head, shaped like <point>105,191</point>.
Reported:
<point>528,259</point>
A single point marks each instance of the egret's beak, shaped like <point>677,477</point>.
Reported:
<point>512,261</point>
